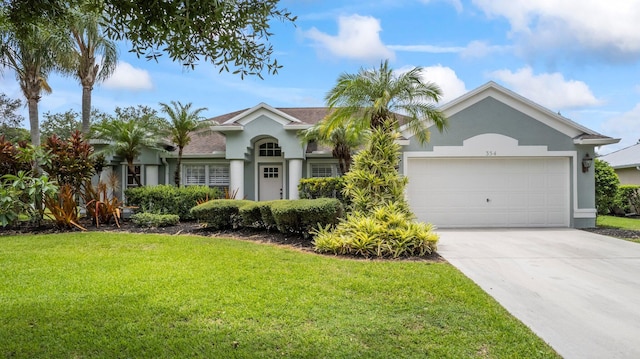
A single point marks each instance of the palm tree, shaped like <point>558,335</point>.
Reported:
<point>128,136</point>
<point>343,141</point>
<point>372,98</point>
<point>32,52</point>
<point>90,42</point>
<point>184,121</point>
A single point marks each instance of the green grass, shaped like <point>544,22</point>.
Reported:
<point>89,295</point>
<point>618,222</point>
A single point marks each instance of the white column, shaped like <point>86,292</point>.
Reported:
<point>151,175</point>
<point>295,174</point>
<point>236,178</point>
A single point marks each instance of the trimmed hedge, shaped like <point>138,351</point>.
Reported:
<point>257,215</point>
<point>145,219</point>
<point>167,199</point>
<point>303,215</point>
<point>220,213</point>
<point>322,187</point>
<point>288,216</point>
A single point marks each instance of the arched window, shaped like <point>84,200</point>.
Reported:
<point>270,149</point>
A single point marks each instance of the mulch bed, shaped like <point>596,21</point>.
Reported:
<point>194,228</point>
<point>615,232</point>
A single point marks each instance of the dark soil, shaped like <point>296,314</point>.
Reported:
<point>192,228</point>
<point>615,232</point>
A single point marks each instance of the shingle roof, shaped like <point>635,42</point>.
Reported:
<point>205,142</point>
<point>626,157</point>
<point>215,141</point>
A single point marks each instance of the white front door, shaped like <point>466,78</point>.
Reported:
<point>270,179</point>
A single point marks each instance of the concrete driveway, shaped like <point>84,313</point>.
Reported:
<point>579,291</point>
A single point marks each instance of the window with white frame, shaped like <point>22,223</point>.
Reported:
<point>270,149</point>
<point>218,176</point>
<point>212,175</point>
<point>324,170</point>
<point>195,175</point>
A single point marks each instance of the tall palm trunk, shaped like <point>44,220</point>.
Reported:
<point>343,153</point>
<point>132,170</point>
<point>176,177</point>
<point>34,121</point>
<point>31,87</point>
<point>86,108</point>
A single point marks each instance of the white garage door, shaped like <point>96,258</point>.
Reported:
<point>493,192</point>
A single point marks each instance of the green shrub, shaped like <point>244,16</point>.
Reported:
<point>380,223</point>
<point>251,216</point>
<point>267,216</point>
<point>321,187</point>
<point>374,179</point>
<point>302,215</point>
<point>628,198</point>
<point>386,232</point>
<point>607,183</point>
<point>167,199</point>
<point>220,213</point>
<point>145,219</point>
<point>10,206</point>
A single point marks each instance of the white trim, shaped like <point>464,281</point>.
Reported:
<point>259,160</point>
<point>584,213</point>
<point>596,141</point>
<point>335,166</point>
<point>259,110</point>
<point>297,127</point>
<point>504,147</point>
<point>228,128</point>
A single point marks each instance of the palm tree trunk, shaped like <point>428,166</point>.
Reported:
<point>176,177</point>
<point>34,121</point>
<point>86,109</point>
<point>132,170</point>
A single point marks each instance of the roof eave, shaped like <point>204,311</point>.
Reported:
<point>596,141</point>
<point>227,128</point>
<point>297,127</point>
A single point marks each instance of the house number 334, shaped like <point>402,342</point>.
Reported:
<point>490,153</point>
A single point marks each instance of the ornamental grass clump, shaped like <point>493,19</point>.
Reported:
<point>380,222</point>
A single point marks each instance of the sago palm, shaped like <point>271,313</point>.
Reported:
<point>127,137</point>
<point>372,97</point>
<point>183,122</point>
<point>89,42</point>
<point>343,141</point>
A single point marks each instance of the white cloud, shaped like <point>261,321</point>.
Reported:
<point>550,90</point>
<point>625,126</point>
<point>128,77</point>
<point>604,29</point>
<point>445,77</point>
<point>477,49</point>
<point>358,38</point>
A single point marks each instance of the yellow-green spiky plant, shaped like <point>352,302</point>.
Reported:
<point>380,223</point>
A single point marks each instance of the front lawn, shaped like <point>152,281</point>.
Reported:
<point>618,222</point>
<point>83,295</point>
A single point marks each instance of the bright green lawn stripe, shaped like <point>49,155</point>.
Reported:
<point>618,222</point>
<point>128,295</point>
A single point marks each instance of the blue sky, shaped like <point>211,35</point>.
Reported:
<point>577,57</point>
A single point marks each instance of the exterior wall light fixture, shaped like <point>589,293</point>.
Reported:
<point>586,163</point>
